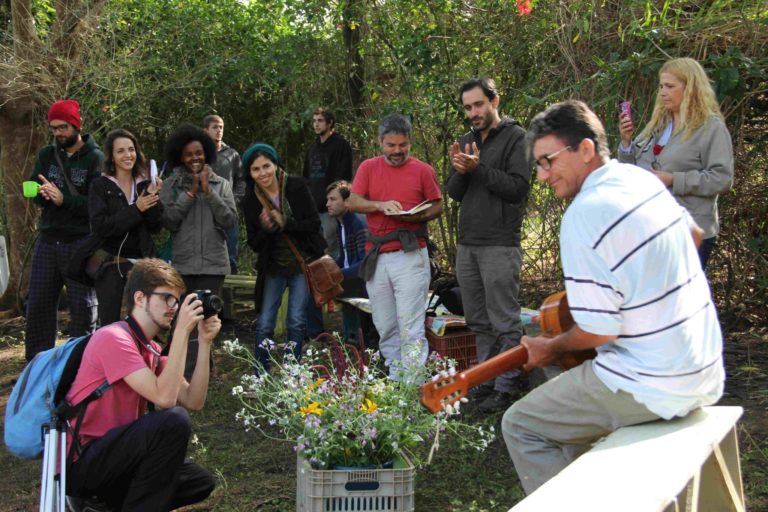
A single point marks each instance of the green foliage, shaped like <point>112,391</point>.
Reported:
<point>265,64</point>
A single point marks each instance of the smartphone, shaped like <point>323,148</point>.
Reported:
<point>625,107</point>
<point>153,172</point>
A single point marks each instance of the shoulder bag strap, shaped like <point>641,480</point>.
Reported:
<point>267,205</point>
<point>72,190</point>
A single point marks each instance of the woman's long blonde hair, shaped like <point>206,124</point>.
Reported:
<point>699,101</point>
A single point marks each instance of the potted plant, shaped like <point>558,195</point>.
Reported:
<point>338,409</point>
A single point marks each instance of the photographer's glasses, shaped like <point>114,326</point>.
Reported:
<point>170,299</point>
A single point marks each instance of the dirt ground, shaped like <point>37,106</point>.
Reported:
<point>255,473</point>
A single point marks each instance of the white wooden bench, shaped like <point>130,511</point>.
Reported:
<point>688,464</point>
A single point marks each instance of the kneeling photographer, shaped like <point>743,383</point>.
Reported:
<point>129,460</point>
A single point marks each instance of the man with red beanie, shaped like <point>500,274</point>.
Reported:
<point>65,170</point>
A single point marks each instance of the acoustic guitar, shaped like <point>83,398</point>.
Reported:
<point>554,318</point>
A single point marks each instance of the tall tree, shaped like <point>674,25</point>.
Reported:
<point>45,51</point>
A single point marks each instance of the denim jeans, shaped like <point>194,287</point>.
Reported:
<point>295,320</point>
<point>705,250</point>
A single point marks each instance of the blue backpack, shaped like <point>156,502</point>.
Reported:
<point>37,398</point>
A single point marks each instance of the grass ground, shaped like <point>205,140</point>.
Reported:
<point>257,474</point>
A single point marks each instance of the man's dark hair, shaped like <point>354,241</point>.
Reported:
<point>395,123</point>
<point>139,167</point>
<point>342,186</point>
<point>210,118</point>
<point>488,86</point>
<point>147,275</point>
<point>183,135</point>
<point>328,115</point>
<point>570,121</point>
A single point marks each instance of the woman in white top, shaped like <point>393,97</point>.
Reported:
<point>686,144</point>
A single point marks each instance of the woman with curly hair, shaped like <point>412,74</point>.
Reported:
<point>279,210</point>
<point>124,210</point>
<point>686,145</point>
<point>198,209</point>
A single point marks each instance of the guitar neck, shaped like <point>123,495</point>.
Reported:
<point>495,366</point>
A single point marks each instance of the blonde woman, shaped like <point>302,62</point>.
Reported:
<point>686,145</point>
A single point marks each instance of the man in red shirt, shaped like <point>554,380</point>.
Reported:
<point>129,460</point>
<point>396,266</point>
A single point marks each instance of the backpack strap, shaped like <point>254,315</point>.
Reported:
<point>66,411</point>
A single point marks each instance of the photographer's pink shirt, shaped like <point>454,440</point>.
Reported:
<point>111,354</point>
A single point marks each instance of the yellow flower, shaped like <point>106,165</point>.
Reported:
<point>369,406</point>
<point>313,408</point>
<point>316,384</point>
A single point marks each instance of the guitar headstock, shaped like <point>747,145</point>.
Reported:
<point>444,391</point>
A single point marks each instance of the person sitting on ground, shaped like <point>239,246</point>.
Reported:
<point>352,234</point>
<point>638,296</point>
<point>279,211</point>
<point>124,209</point>
<point>130,460</point>
<point>686,145</point>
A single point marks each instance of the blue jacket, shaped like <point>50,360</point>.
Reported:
<point>355,235</point>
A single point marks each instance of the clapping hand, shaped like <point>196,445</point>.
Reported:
<point>203,177</point>
<point>269,220</point>
<point>467,161</point>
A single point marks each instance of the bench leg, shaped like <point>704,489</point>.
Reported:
<point>721,486</point>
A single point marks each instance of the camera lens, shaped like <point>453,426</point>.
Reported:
<point>212,304</point>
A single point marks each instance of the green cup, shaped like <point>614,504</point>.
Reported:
<point>30,188</point>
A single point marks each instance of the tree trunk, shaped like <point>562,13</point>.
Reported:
<point>20,140</point>
<point>34,73</point>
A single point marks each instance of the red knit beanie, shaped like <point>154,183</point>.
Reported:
<point>65,110</point>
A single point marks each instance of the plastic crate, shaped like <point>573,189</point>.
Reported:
<point>458,344</point>
<point>370,490</point>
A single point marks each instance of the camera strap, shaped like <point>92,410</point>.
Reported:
<point>132,327</point>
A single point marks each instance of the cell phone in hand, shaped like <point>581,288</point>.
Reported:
<point>625,107</point>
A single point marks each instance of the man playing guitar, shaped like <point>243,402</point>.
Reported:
<point>637,294</point>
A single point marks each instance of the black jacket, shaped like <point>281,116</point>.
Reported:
<point>303,229</point>
<point>69,221</point>
<point>112,218</point>
<point>324,163</point>
<point>493,195</point>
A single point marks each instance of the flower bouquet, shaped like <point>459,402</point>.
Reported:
<point>344,411</point>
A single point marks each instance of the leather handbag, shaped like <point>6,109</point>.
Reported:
<point>323,275</point>
<point>324,278</point>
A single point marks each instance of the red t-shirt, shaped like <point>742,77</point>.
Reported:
<point>410,184</point>
<point>111,354</point>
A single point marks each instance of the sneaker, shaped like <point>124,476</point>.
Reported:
<point>479,393</point>
<point>75,504</point>
<point>496,401</point>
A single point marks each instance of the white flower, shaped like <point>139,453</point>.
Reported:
<point>233,346</point>
<point>237,390</point>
